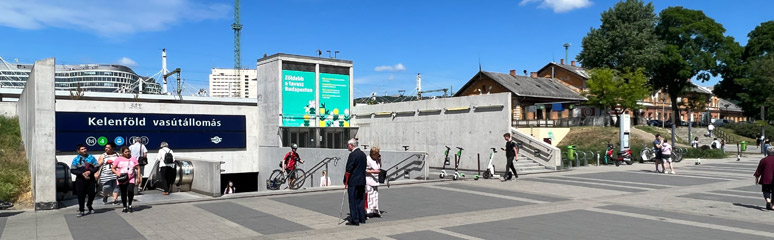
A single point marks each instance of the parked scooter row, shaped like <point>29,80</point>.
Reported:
<point>488,173</point>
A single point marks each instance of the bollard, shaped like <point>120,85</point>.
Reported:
<point>577,161</point>
<point>597,159</point>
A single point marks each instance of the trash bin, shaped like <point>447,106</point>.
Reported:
<point>743,145</point>
<point>571,152</point>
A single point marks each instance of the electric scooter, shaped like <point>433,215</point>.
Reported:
<point>457,158</point>
<point>445,162</point>
<point>490,169</point>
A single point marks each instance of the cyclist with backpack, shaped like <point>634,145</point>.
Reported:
<point>166,161</point>
<point>288,163</point>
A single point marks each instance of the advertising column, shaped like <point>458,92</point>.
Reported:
<point>298,94</point>
<point>334,100</point>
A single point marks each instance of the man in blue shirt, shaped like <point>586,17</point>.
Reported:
<point>83,167</point>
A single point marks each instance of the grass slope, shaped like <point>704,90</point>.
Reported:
<point>15,183</point>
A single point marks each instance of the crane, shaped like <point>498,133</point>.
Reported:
<point>237,26</point>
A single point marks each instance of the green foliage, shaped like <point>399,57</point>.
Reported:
<point>707,154</point>
<point>750,130</point>
<point>758,87</point>
<point>610,88</point>
<point>761,41</point>
<point>14,170</point>
<point>625,39</point>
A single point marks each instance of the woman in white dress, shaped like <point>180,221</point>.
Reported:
<point>372,182</point>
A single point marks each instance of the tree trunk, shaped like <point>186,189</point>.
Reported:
<point>676,114</point>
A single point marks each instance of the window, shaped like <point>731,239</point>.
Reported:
<point>305,137</point>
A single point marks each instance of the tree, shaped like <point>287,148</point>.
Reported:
<point>694,102</point>
<point>759,86</point>
<point>610,88</point>
<point>626,38</point>
<point>691,42</point>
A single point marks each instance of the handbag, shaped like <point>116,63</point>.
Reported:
<point>123,178</point>
<point>382,175</point>
<point>142,161</point>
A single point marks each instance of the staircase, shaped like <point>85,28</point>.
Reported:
<point>526,165</point>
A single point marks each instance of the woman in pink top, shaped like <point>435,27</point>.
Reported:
<point>666,155</point>
<point>126,164</point>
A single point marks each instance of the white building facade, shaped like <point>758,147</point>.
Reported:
<point>224,82</point>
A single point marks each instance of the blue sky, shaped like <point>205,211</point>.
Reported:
<point>389,41</point>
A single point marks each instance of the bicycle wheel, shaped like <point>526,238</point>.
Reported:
<point>275,180</point>
<point>299,182</point>
<point>678,157</point>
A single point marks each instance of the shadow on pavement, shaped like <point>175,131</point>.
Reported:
<point>750,206</point>
<point>9,214</point>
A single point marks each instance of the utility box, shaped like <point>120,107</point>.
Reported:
<point>624,133</point>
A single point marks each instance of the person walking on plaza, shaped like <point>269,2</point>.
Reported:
<point>657,148</point>
<point>710,128</point>
<point>109,155</point>
<point>765,149</point>
<point>84,166</point>
<point>127,165</point>
<point>108,181</point>
<point>289,163</point>
<point>511,152</point>
<point>141,153</point>
<point>666,155</point>
<point>166,159</point>
<point>354,182</point>
<point>723,145</point>
<point>374,166</point>
<point>764,175</point>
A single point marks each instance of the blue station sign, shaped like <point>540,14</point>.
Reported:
<point>181,131</point>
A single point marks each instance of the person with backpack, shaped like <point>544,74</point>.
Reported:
<point>141,153</point>
<point>715,143</point>
<point>83,167</point>
<point>289,163</point>
<point>166,161</point>
<point>127,168</point>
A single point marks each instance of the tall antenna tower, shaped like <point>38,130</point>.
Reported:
<point>237,26</point>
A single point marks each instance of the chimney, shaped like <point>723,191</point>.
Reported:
<point>533,74</point>
<point>561,61</point>
<point>572,63</point>
<point>513,72</point>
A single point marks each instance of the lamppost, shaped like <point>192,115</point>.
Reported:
<point>663,105</point>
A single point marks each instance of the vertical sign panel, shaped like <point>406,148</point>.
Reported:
<point>334,100</point>
<point>298,93</point>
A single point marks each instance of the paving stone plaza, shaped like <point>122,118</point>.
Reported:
<point>714,200</point>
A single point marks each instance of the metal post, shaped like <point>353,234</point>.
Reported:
<point>597,159</point>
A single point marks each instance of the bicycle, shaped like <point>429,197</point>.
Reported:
<point>279,177</point>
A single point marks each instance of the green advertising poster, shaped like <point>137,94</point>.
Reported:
<point>334,100</point>
<point>298,94</point>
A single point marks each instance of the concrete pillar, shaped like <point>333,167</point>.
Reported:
<point>36,110</point>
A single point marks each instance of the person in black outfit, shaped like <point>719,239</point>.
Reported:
<point>354,182</point>
<point>83,167</point>
<point>510,154</point>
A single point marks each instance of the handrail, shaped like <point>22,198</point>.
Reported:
<point>423,156</point>
<point>317,167</point>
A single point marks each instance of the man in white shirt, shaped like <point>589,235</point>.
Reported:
<point>138,151</point>
<point>715,144</point>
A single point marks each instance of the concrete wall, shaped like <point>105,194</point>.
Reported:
<point>236,161</point>
<point>271,157</point>
<point>37,122</point>
<point>541,133</point>
<point>391,126</point>
<point>269,103</point>
<point>206,179</point>
<point>8,109</point>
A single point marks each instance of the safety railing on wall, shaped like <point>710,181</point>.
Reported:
<point>415,162</point>
<point>544,153</point>
<point>320,165</point>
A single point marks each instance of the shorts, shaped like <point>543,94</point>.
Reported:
<point>110,186</point>
<point>667,158</point>
<point>767,188</point>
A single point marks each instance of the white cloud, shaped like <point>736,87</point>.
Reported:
<point>127,62</point>
<point>107,18</point>
<point>559,6</point>
<point>387,68</point>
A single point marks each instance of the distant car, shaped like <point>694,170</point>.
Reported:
<point>654,122</point>
<point>721,122</point>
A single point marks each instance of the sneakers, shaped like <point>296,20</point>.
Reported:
<point>768,206</point>
<point>81,214</point>
<point>91,211</point>
<point>125,210</point>
<point>130,209</point>
<point>673,172</point>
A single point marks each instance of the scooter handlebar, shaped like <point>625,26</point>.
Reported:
<point>494,149</point>
<point>447,147</point>
<point>460,148</point>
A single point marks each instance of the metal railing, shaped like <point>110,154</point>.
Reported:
<point>317,167</point>
<point>562,122</point>
<point>402,169</point>
<point>543,153</point>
